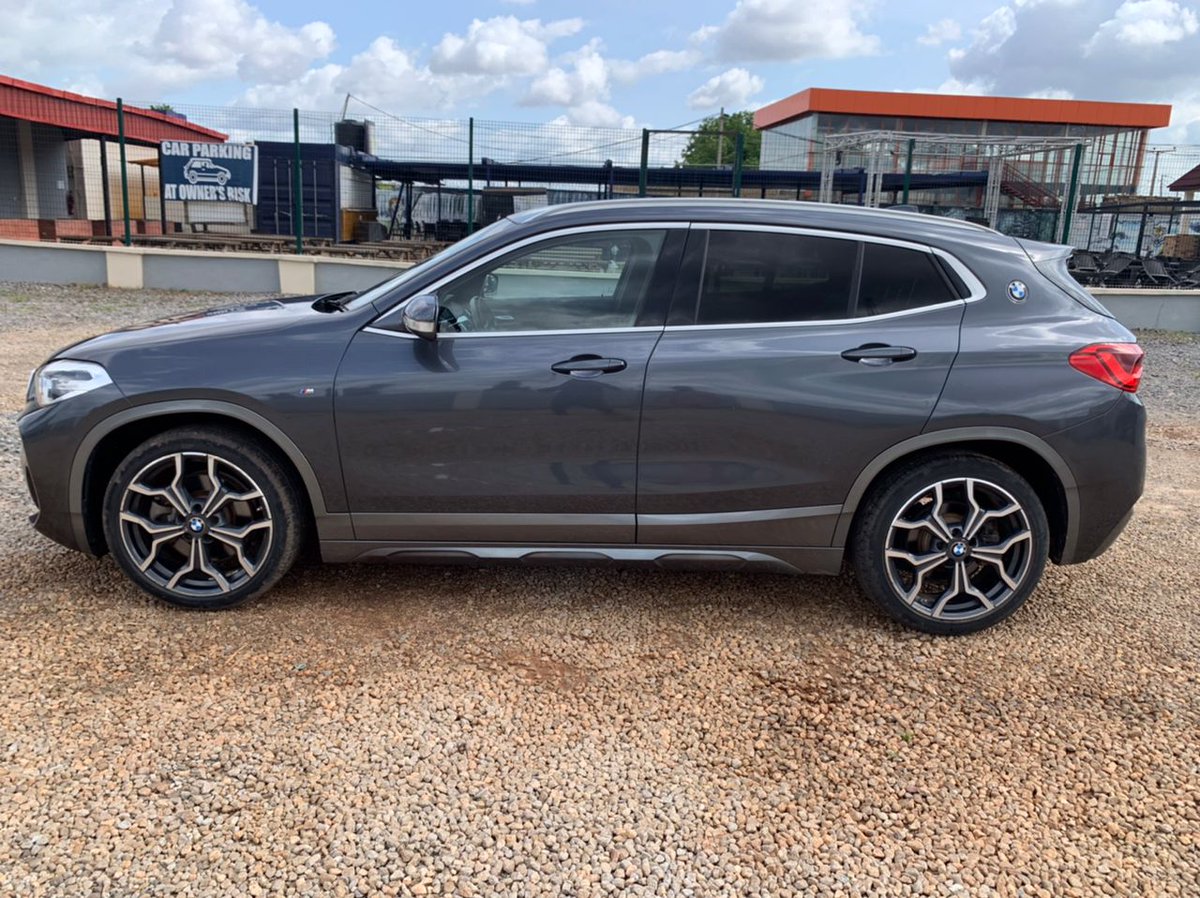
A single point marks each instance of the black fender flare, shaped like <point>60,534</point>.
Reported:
<point>938,438</point>
<point>241,414</point>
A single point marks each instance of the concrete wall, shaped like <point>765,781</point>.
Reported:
<point>168,271</point>
<point>137,267</point>
<point>1169,310</point>
<point>47,264</point>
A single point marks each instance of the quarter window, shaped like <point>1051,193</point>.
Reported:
<point>895,279</point>
<point>581,281</point>
<point>758,277</point>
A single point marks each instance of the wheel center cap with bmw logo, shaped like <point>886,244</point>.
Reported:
<point>959,549</point>
<point>196,525</point>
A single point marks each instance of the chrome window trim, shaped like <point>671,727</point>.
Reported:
<point>451,335</point>
<point>377,323</point>
<point>824,322</point>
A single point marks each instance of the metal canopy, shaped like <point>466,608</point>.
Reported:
<point>882,149</point>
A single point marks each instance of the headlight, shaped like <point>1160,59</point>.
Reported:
<point>64,378</point>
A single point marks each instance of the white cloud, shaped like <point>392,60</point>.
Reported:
<point>1135,51</point>
<point>137,47</point>
<point>759,30</point>
<point>1097,49</point>
<point>595,114</point>
<point>732,88</point>
<point>226,38</point>
<point>503,45</point>
<point>384,74</point>
<point>657,63</point>
<point>1145,23</point>
<point>583,87</point>
<point>587,79</point>
<point>1051,93</point>
<point>940,32</point>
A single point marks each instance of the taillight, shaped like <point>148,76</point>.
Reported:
<point>1117,364</point>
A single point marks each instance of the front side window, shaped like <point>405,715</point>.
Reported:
<point>581,281</point>
<point>759,277</point>
<point>896,279</point>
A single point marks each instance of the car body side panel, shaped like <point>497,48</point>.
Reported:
<point>746,419</point>
<point>1012,368</point>
<point>439,438</point>
<point>1107,454</point>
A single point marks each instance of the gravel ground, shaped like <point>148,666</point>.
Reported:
<point>385,731</point>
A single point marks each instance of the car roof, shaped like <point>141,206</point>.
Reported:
<point>826,216</point>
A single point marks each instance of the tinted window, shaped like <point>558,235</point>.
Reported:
<point>564,283</point>
<point>895,279</point>
<point>760,277</point>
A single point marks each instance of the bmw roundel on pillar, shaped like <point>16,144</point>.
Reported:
<point>217,172</point>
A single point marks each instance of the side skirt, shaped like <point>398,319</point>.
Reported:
<point>818,560</point>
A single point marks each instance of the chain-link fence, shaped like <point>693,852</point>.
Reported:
<point>362,180</point>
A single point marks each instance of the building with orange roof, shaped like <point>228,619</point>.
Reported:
<point>953,133</point>
<point>56,175</point>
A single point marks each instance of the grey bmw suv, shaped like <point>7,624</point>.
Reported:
<point>680,383</point>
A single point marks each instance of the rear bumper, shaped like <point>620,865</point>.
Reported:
<point>1107,455</point>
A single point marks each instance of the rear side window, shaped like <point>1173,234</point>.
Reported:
<point>895,279</point>
<point>758,277</point>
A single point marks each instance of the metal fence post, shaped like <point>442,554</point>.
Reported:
<point>162,195</point>
<point>739,154</point>
<point>1072,193</point>
<point>471,175</point>
<point>297,185</point>
<point>912,143</point>
<point>642,170</point>
<point>105,186</point>
<point>128,240</point>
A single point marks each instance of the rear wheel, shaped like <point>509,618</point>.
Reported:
<point>952,544</point>
<point>202,518</point>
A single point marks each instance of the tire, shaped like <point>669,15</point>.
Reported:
<point>989,565</point>
<point>202,517</point>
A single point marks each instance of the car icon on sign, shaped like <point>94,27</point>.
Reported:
<point>197,170</point>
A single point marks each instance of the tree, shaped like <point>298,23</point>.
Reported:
<point>702,146</point>
<point>165,108</point>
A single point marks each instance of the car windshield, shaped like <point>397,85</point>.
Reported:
<point>410,274</point>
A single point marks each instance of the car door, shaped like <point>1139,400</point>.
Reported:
<point>519,422</point>
<point>790,360</point>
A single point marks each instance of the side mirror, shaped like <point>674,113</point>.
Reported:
<point>420,316</point>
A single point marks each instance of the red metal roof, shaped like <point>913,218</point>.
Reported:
<point>31,102</point>
<point>1189,181</point>
<point>955,106</point>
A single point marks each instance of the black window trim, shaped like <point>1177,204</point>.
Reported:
<point>976,288</point>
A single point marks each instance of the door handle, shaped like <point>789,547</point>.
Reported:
<point>588,366</point>
<point>878,354</point>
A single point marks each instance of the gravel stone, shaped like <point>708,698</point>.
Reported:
<point>424,731</point>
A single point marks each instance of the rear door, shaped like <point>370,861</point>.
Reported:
<point>790,360</point>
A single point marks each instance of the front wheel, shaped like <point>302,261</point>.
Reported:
<point>951,545</point>
<point>202,518</point>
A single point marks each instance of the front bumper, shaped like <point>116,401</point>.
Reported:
<point>50,441</point>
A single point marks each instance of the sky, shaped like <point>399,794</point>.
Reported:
<point>613,63</point>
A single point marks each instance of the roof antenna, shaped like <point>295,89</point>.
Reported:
<point>345,107</point>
